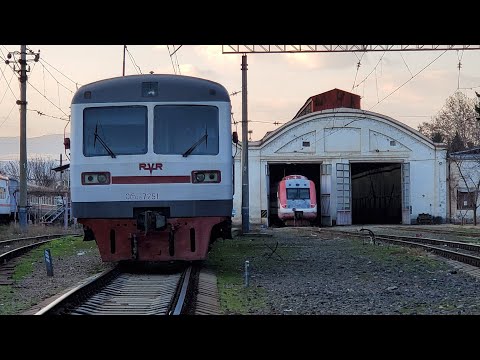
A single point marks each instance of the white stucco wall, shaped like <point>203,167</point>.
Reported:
<point>346,135</point>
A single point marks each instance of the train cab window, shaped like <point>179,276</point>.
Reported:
<point>123,129</point>
<point>185,130</point>
<point>298,194</point>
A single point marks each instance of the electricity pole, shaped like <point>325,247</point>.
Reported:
<point>22,209</point>
<point>245,190</point>
<point>23,137</point>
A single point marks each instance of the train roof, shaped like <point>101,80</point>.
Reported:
<point>291,177</point>
<point>150,87</point>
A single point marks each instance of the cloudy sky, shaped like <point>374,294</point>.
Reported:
<point>408,86</point>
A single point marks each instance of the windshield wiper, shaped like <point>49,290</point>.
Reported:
<point>110,152</point>
<point>194,146</point>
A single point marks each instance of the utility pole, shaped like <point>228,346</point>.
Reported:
<point>245,190</point>
<point>124,49</point>
<point>22,208</point>
<point>23,138</point>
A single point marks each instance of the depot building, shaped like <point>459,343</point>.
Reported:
<point>368,168</point>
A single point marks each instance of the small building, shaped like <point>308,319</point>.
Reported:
<point>368,168</point>
<point>463,185</point>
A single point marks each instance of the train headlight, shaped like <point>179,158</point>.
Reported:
<point>102,178</point>
<point>95,178</point>
<point>206,176</point>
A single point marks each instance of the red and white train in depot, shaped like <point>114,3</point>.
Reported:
<point>151,166</point>
<point>297,200</point>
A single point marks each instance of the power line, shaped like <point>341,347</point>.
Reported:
<point>409,79</point>
<point>46,98</point>
<point>133,61</point>
<point>58,82</point>
<point>406,64</point>
<point>51,116</point>
<point>459,67</point>
<point>73,81</point>
<point>8,116</point>
<point>170,55</point>
<point>371,71</point>
<point>9,84</point>
<point>358,67</point>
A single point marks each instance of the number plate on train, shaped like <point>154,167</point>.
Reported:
<point>142,196</point>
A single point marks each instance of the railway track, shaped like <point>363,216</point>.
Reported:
<point>464,252</point>
<point>123,292</point>
<point>19,248</point>
<point>10,245</point>
<point>458,233</point>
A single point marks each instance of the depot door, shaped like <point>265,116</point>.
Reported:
<point>344,209</point>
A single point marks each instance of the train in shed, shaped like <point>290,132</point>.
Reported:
<point>297,200</point>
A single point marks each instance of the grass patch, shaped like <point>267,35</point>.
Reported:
<point>12,231</point>
<point>227,258</point>
<point>8,304</point>
<point>65,246</point>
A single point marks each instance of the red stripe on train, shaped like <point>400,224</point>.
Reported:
<point>150,179</point>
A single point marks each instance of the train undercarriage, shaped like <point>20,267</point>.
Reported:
<point>153,237</point>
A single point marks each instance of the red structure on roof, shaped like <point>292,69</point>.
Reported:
<point>332,99</point>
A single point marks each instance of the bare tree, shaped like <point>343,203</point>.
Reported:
<point>457,116</point>
<point>39,171</point>
<point>469,172</point>
<point>12,169</point>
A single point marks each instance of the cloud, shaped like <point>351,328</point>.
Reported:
<point>214,57</point>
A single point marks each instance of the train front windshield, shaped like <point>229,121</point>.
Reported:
<point>185,129</point>
<point>177,130</point>
<point>298,194</point>
<point>117,130</point>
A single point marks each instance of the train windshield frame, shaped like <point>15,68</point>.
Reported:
<point>186,129</point>
<point>298,194</point>
<point>124,129</point>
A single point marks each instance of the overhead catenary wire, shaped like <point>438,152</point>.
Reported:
<point>42,60</point>
<point>171,59</point>
<point>50,116</point>
<point>359,63</point>
<point>46,98</point>
<point>398,88</point>
<point>366,77</point>
<point>137,68</point>
<point>58,82</point>
<point>8,86</point>
<point>8,116</point>
<point>459,67</point>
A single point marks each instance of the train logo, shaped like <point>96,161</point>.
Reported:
<point>150,166</point>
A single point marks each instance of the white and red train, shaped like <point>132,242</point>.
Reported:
<point>297,200</point>
<point>4,200</point>
<point>151,166</point>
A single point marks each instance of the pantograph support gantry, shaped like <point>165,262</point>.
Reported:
<point>264,49</point>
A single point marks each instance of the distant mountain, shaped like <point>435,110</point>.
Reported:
<point>49,146</point>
